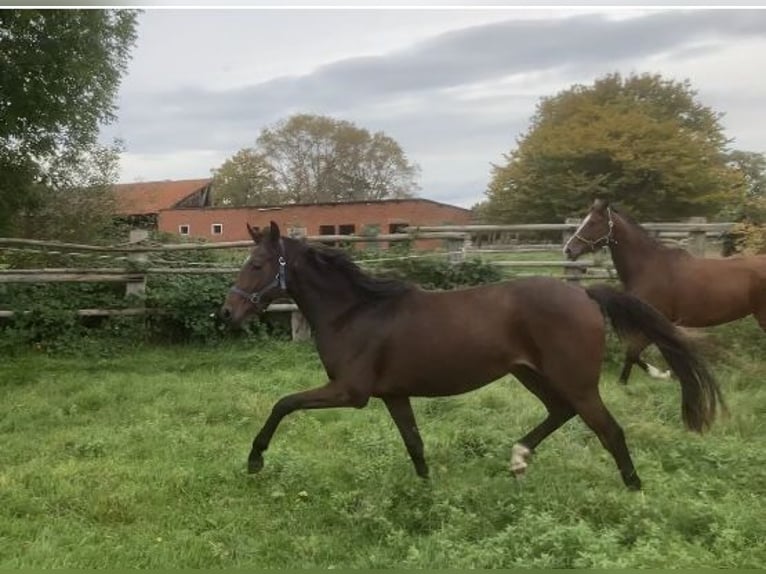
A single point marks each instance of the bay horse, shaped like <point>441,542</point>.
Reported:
<point>690,291</point>
<point>391,340</point>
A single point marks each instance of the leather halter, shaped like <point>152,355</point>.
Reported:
<point>280,281</point>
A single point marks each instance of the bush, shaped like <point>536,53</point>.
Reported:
<point>749,235</point>
<point>441,274</point>
<point>187,304</point>
<point>752,238</point>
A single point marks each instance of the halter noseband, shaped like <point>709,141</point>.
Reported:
<point>280,280</point>
<point>608,238</point>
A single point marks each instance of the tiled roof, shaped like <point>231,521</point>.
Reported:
<point>148,197</point>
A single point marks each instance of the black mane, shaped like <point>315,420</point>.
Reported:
<point>640,228</point>
<point>324,259</point>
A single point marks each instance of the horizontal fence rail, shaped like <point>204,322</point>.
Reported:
<point>531,227</point>
<point>130,312</point>
<point>387,237</point>
<point>459,241</point>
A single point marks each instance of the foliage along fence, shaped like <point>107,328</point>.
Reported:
<point>186,284</point>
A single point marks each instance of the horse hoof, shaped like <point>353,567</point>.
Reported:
<point>254,463</point>
<point>633,483</point>
<point>519,457</point>
<point>518,471</point>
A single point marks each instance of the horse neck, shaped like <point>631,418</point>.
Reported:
<point>321,297</point>
<point>631,249</point>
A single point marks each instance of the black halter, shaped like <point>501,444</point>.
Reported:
<point>280,280</point>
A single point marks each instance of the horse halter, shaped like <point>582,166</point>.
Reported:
<point>280,280</point>
<point>608,238</point>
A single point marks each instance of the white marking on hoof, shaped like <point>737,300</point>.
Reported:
<point>655,373</point>
<point>519,456</point>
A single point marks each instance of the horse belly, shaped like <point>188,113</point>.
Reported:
<point>427,372</point>
<point>720,300</point>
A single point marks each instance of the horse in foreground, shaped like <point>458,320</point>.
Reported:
<point>391,340</point>
<point>690,291</point>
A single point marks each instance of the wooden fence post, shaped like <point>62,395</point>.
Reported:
<point>137,288</point>
<point>571,273</point>
<point>456,249</point>
<point>467,244</point>
<point>697,238</point>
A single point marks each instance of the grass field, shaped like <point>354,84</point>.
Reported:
<point>139,461</point>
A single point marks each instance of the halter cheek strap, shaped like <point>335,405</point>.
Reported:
<point>280,280</point>
<point>608,239</point>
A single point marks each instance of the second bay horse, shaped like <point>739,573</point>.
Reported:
<point>690,291</point>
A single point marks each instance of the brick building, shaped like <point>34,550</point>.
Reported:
<point>348,218</point>
<point>140,203</point>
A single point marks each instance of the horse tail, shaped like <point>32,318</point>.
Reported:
<point>700,394</point>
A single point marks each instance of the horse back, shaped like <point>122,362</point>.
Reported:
<point>452,342</point>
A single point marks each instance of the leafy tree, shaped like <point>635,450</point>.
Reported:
<point>246,178</point>
<point>309,158</point>
<point>59,75</point>
<point>642,141</point>
<point>81,206</point>
<point>752,165</point>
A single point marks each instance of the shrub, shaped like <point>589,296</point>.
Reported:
<point>441,274</point>
<point>186,305</point>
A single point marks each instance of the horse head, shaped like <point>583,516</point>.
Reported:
<point>262,278</point>
<point>594,232</point>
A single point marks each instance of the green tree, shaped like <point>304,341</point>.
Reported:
<point>752,165</point>
<point>59,75</point>
<point>642,141</point>
<point>246,178</point>
<point>317,158</point>
<point>81,206</point>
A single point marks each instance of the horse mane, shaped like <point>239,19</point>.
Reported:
<point>368,286</point>
<point>640,228</point>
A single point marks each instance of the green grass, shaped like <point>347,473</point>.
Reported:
<point>139,461</point>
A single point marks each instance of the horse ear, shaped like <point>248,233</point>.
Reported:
<point>254,233</point>
<point>274,233</point>
<point>600,204</point>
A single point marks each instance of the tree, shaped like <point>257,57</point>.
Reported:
<point>81,206</point>
<point>246,178</point>
<point>59,75</point>
<point>752,165</point>
<point>641,141</point>
<point>308,159</point>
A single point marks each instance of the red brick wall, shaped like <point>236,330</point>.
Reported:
<point>310,217</point>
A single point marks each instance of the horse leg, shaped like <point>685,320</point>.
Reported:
<point>627,366</point>
<point>633,357</point>
<point>401,411</point>
<point>331,395</point>
<point>559,412</point>
<point>760,315</point>
<point>594,413</point>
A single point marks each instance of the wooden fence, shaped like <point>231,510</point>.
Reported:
<point>459,242</point>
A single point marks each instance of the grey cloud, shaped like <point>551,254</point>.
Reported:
<point>460,58</point>
<point>417,95</point>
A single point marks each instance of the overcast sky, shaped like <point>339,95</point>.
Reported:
<point>455,88</point>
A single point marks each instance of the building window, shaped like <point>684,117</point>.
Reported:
<point>347,229</point>
<point>397,227</point>
<point>326,230</point>
<point>183,229</point>
<point>216,229</point>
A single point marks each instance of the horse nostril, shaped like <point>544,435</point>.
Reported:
<point>226,313</point>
